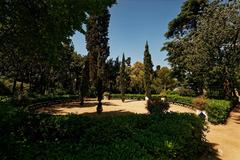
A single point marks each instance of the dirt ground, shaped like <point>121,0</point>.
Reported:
<point>225,139</point>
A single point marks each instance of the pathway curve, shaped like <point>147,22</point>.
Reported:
<point>224,138</point>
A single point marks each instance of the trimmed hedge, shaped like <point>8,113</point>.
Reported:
<point>33,103</point>
<point>133,136</point>
<point>217,110</point>
<point>157,106</point>
<point>133,96</point>
<point>180,99</point>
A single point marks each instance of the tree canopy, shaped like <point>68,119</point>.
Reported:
<point>209,57</point>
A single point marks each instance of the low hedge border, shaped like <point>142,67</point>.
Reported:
<point>35,103</point>
<point>133,96</point>
<point>217,110</point>
<point>31,104</point>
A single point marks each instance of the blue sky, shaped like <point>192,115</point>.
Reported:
<point>132,23</point>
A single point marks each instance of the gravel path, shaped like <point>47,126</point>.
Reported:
<point>224,138</point>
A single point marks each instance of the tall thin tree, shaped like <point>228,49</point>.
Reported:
<point>98,50</point>
<point>123,78</point>
<point>148,65</point>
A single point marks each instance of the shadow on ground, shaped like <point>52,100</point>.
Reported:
<point>86,104</point>
<point>211,152</point>
<point>236,115</point>
<point>60,111</point>
<point>109,113</point>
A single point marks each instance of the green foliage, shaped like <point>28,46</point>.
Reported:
<point>123,78</point>
<point>135,96</point>
<point>111,74</point>
<point>162,136</point>
<point>208,56</point>
<point>186,20</point>
<point>218,110</point>
<point>157,106</point>
<point>163,80</point>
<point>137,78</point>
<point>180,99</point>
<point>36,48</point>
<point>148,70</point>
<point>98,50</point>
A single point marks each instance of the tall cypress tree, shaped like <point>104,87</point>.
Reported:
<point>148,65</point>
<point>98,51</point>
<point>123,78</point>
<point>84,83</point>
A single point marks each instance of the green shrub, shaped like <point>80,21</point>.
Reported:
<point>161,136</point>
<point>171,92</point>
<point>134,96</point>
<point>129,96</point>
<point>157,106</point>
<point>218,110</point>
<point>180,99</point>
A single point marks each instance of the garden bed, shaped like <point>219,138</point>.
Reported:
<point>133,136</point>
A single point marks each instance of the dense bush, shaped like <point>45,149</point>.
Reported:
<point>218,110</point>
<point>161,136</point>
<point>157,106</point>
<point>179,99</point>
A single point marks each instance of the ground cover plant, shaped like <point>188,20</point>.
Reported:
<point>132,136</point>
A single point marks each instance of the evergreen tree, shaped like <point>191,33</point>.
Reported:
<point>123,78</point>
<point>98,50</point>
<point>147,71</point>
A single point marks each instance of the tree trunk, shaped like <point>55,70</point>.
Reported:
<point>100,95</point>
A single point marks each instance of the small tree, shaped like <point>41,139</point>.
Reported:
<point>123,78</point>
<point>147,71</point>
